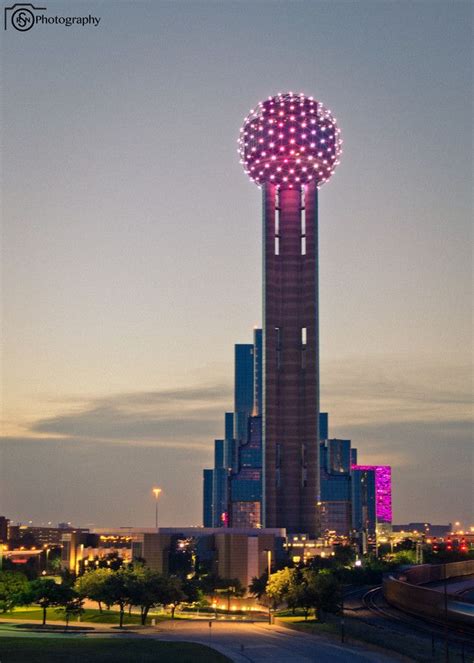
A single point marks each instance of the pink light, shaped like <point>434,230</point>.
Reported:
<point>301,148</point>
<point>383,490</point>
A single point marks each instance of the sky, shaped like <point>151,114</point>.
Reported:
<point>131,247</point>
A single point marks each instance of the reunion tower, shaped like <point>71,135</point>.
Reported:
<point>289,146</point>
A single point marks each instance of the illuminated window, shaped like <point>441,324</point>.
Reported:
<point>303,335</point>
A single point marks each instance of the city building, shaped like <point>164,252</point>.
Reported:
<point>243,392</point>
<point>364,515</point>
<point>4,522</point>
<point>246,483</point>
<point>229,446</point>
<point>219,487</point>
<point>207,497</point>
<point>383,493</point>
<point>289,145</point>
<point>236,494</point>
<point>240,553</point>
<point>335,504</point>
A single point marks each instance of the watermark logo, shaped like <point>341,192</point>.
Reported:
<point>23,16</point>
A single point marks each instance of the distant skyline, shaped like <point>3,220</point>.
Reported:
<point>131,249</point>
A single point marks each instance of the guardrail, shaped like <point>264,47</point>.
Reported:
<point>407,592</point>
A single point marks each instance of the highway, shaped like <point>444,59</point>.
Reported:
<point>369,606</point>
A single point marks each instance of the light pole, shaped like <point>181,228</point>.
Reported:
<point>46,550</point>
<point>156,493</point>
<point>269,570</point>
<point>446,613</point>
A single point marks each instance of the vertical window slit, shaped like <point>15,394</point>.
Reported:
<point>303,224</point>
<point>278,347</point>
<point>303,346</point>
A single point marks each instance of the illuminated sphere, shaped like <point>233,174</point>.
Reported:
<point>290,140</point>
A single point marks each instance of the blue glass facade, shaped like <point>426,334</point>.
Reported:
<point>246,484</point>
<point>219,495</point>
<point>229,450</point>
<point>323,425</point>
<point>218,453</point>
<point>258,363</point>
<point>207,498</point>
<point>336,488</point>
<point>339,456</point>
<point>219,487</point>
<point>243,389</point>
<point>335,478</point>
<point>364,501</point>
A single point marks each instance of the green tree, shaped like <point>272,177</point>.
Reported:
<point>45,593</point>
<point>173,593</point>
<point>258,585</point>
<point>91,585</point>
<point>117,591</point>
<point>146,589</point>
<point>278,586</point>
<point>72,605</point>
<point>320,591</point>
<point>13,585</point>
<point>192,589</point>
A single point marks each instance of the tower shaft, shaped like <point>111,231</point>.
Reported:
<point>291,358</point>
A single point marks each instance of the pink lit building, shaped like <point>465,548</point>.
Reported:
<point>383,491</point>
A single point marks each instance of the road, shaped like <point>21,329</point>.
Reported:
<point>240,642</point>
<point>260,643</point>
<point>463,585</point>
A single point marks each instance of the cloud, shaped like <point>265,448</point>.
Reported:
<point>411,414</point>
<point>185,417</point>
<point>377,390</point>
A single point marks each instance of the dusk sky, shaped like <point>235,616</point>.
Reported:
<point>131,249</point>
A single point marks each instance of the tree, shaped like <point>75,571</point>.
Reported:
<point>320,591</point>
<point>173,593</point>
<point>72,604</point>
<point>192,589</point>
<point>278,586</point>
<point>91,585</point>
<point>146,589</point>
<point>117,590</point>
<point>12,585</point>
<point>258,585</point>
<point>45,593</point>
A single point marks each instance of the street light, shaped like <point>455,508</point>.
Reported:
<point>47,550</point>
<point>269,570</point>
<point>156,493</point>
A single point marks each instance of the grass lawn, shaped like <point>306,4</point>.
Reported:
<point>311,625</point>
<point>89,615</point>
<point>104,650</point>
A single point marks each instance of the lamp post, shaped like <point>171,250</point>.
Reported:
<point>269,570</point>
<point>446,653</point>
<point>342,611</point>
<point>156,493</point>
<point>46,550</point>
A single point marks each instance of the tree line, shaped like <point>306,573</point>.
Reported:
<point>128,587</point>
